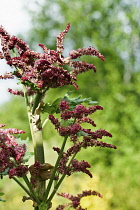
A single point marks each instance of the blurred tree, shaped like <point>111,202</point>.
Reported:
<point>110,26</point>
<point>113,28</point>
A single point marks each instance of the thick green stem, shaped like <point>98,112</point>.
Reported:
<point>36,133</point>
<point>35,125</point>
<point>37,101</point>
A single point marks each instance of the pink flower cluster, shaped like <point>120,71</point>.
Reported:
<point>34,171</point>
<point>29,92</point>
<point>79,114</point>
<point>41,71</point>
<point>75,200</point>
<point>7,76</point>
<point>75,166</point>
<point>16,92</point>
<point>88,138</point>
<point>11,153</point>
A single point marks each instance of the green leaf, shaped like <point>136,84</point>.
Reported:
<point>92,102</point>
<point>1,194</point>
<point>78,100</point>
<point>55,105</point>
<point>82,133</point>
<point>52,108</point>
<point>68,122</point>
<point>4,173</point>
<point>2,200</point>
<point>27,156</point>
<point>20,141</point>
<point>46,108</point>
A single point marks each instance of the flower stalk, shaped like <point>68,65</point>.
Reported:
<point>22,186</point>
<point>39,72</point>
<point>54,171</point>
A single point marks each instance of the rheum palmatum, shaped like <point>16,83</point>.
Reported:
<point>38,73</point>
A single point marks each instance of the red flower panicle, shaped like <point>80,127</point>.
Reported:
<point>18,171</point>
<point>89,138</point>
<point>86,51</point>
<point>60,39</point>
<point>41,71</point>
<point>75,166</point>
<point>7,76</point>
<point>12,153</point>
<point>16,92</point>
<point>75,200</point>
<point>64,105</point>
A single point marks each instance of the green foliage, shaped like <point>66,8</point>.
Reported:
<point>78,100</point>
<point>51,108</point>
<point>1,194</point>
<point>4,173</point>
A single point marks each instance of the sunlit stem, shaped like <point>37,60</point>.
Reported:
<point>38,98</point>
<point>55,170</point>
<point>22,186</point>
<point>36,133</point>
<point>35,128</point>
<point>59,182</point>
<point>31,189</point>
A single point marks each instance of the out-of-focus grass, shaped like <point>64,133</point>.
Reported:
<point>78,183</point>
<point>73,185</point>
<point>13,196</point>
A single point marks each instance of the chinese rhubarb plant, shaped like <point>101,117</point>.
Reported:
<point>38,73</point>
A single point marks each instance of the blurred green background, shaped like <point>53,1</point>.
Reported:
<point>112,27</point>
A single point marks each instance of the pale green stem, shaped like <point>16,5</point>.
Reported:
<point>36,133</point>
<point>59,182</point>
<point>36,101</point>
<point>54,170</point>
<point>22,186</point>
<point>38,98</point>
<point>31,189</point>
<point>35,127</point>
